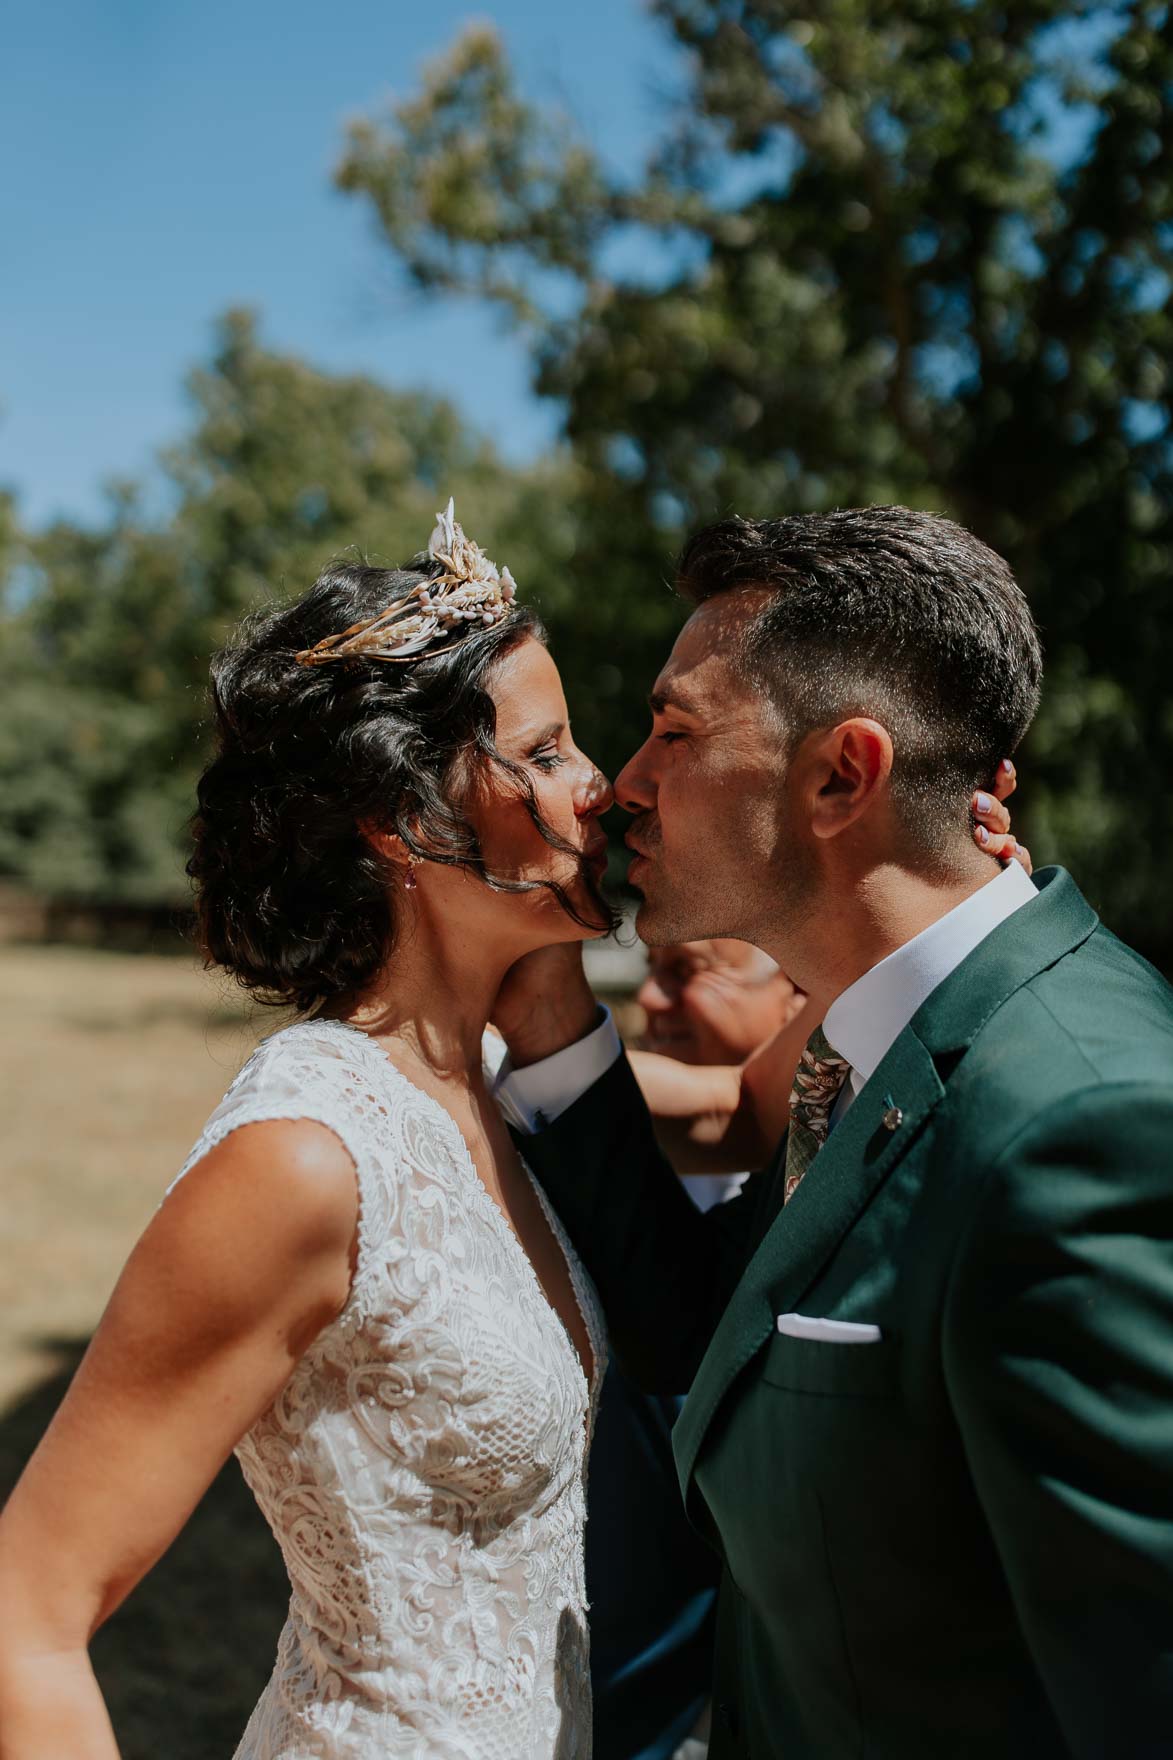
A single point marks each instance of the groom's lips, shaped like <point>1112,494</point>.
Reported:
<point>637,854</point>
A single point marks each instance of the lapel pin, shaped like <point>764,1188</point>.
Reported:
<point>893,1117</point>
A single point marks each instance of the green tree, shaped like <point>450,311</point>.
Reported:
<point>103,728</point>
<point>915,252</point>
<point>10,543</point>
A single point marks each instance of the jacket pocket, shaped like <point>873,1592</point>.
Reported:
<point>805,1365</point>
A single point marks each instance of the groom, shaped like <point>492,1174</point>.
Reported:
<point>930,1427</point>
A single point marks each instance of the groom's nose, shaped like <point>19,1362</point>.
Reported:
<point>634,786</point>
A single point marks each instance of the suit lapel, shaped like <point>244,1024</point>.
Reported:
<point>1058,921</point>
<point>861,1151</point>
<point>858,1156</point>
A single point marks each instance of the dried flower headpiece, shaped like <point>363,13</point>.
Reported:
<point>470,594</point>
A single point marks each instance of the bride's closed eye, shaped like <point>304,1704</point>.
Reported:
<point>549,759</point>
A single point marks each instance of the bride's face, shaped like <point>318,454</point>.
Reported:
<point>569,792</point>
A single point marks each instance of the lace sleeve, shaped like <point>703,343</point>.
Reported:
<point>298,1076</point>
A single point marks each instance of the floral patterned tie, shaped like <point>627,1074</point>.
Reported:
<point>818,1081</point>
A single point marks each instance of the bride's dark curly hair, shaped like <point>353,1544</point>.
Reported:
<point>291,898</point>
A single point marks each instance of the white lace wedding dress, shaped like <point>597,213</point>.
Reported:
<point>423,1468</point>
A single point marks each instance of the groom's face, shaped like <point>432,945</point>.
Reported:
<point>714,853</point>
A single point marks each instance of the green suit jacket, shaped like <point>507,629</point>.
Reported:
<point>957,1541</point>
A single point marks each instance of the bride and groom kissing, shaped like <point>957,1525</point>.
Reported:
<point>929,1347</point>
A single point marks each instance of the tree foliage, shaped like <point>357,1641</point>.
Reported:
<point>915,252</point>
<point>103,726</point>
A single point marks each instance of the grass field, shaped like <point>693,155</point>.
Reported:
<point>109,1066</point>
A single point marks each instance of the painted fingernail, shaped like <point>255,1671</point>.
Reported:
<point>1008,766</point>
<point>984,804</point>
<point>982,834</point>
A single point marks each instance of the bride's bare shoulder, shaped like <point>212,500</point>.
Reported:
<point>287,1176</point>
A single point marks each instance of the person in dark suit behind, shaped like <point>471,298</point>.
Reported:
<point>651,1579</point>
<point>930,1425</point>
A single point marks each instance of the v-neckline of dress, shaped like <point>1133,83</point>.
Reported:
<point>590,1380</point>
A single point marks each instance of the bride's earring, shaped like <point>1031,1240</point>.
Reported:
<point>409,881</point>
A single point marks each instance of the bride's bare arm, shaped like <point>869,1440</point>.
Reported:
<point>245,1262</point>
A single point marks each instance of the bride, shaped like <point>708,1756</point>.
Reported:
<point>354,1283</point>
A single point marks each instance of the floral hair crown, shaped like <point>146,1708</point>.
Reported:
<point>471,593</point>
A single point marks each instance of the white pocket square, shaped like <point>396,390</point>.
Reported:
<point>828,1331</point>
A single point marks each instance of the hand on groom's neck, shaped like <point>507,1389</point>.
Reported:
<point>545,1004</point>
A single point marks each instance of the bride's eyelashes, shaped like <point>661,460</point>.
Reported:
<point>548,760</point>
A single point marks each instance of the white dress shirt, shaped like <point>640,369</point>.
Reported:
<point>865,1020</point>
<point>534,1096</point>
<point>862,1024</point>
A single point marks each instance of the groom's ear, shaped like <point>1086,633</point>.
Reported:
<point>847,770</point>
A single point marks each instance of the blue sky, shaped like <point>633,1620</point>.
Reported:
<point>166,160</point>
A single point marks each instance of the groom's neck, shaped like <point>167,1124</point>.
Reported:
<point>857,918</point>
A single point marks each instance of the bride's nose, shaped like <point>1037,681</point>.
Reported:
<point>595,796</point>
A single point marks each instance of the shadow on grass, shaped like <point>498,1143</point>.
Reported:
<point>183,1661</point>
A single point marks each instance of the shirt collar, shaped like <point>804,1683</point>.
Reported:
<point>867,1019</point>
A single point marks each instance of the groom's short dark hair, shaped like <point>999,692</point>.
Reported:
<point>901,616</point>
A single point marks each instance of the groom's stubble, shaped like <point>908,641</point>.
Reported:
<point>750,875</point>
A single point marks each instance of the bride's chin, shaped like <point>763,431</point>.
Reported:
<point>556,923</point>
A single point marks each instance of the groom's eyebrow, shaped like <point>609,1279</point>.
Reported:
<point>659,701</point>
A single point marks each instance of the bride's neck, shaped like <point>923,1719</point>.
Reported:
<point>433,998</point>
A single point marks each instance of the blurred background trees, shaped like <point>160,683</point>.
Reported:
<point>106,633</point>
<point>913,253</point>
<point>916,252</point>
